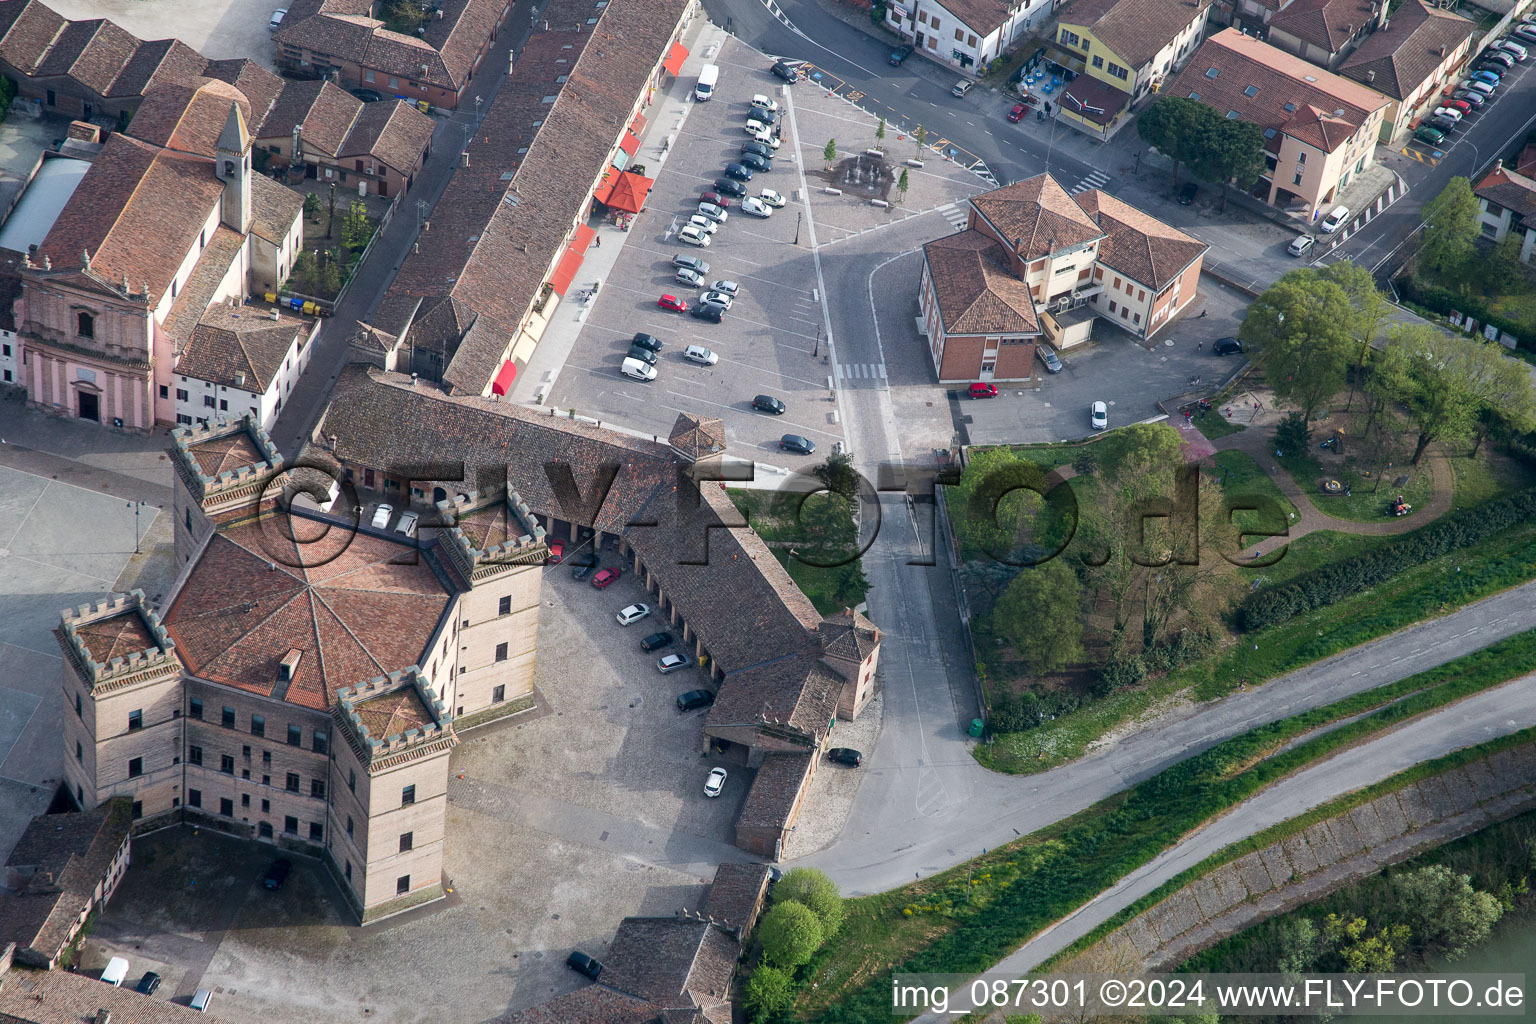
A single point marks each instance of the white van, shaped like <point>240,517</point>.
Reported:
<point>117,970</point>
<point>1335,220</point>
<point>704,91</point>
<point>637,369</point>
<point>200,1000</point>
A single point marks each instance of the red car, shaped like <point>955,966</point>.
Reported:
<point>673,303</point>
<point>605,577</point>
<point>556,552</point>
<point>711,196</point>
<point>1461,105</point>
<point>983,390</point>
<point>1016,113</point>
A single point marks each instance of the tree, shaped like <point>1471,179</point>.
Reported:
<point>1451,228</point>
<point>1170,125</point>
<point>769,992</point>
<point>1155,444</point>
<point>1360,952</point>
<point>1299,333</point>
<point>1086,463</point>
<point>303,273</point>
<point>880,131</point>
<point>355,226</point>
<point>1041,615</point>
<point>790,934</point>
<point>1502,267</point>
<point>1370,309</point>
<point>1223,149</point>
<point>902,183</point>
<point>1445,380</point>
<point>830,153</point>
<point>312,206</point>
<point>919,137</point>
<point>816,892</point>
<point>1444,911</point>
<point>1505,397</point>
<point>837,475</point>
<point>1292,434</point>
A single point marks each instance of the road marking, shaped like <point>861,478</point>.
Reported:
<point>736,408</point>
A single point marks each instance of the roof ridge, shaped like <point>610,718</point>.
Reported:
<point>315,595</point>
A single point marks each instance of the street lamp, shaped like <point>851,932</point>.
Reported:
<point>798,215</point>
<point>136,506</point>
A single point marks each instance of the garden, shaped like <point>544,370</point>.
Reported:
<point>334,241</point>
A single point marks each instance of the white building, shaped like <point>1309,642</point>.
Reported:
<point>241,359</point>
<point>1506,201</point>
<point>966,34</point>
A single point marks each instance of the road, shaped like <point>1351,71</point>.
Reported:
<point>1477,719</point>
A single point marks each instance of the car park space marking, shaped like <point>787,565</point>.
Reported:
<point>799,428</point>
<point>820,384</point>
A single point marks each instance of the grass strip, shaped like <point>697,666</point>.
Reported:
<point>966,919</point>
<point>1284,830</point>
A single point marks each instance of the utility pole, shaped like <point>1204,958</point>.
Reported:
<point>798,216</point>
<point>331,215</point>
<point>136,506</point>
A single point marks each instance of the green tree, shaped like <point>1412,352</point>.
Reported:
<point>1299,333</point>
<point>1502,268</point>
<point>404,16</point>
<point>1041,615</point>
<point>1370,309</point>
<point>815,891</point>
<point>1443,911</point>
<point>790,934</point>
<point>902,183</point>
<point>829,154</point>
<point>355,226</point>
<point>1292,434</point>
<point>921,138</point>
<point>836,474</point>
<point>1171,125</point>
<point>1442,380</point>
<point>996,503</point>
<point>880,131</point>
<point>328,274</point>
<point>1086,463</point>
<point>1451,229</point>
<point>1358,950</point>
<point>1155,444</point>
<point>303,273</point>
<point>1505,397</point>
<point>769,992</point>
<point>312,206</point>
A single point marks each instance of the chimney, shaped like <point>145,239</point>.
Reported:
<point>240,378</point>
<point>103,1016</point>
<point>330,442</point>
<point>289,666</point>
<point>1370,76</point>
<point>275,315</point>
<point>1442,49</point>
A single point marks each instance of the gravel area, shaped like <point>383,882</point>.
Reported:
<point>832,790</point>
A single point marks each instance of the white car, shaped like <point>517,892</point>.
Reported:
<point>634,613</point>
<point>637,370</point>
<point>759,100</point>
<point>756,207</point>
<point>756,129</point>
<point>1476,86</point>
<point>730,288</point>
<point>690,277</point>
<point>717,298</point>
<point>277,19</point>
<point>772,198</point>
<point>715,782</point>
<point>1450,112</point>
<point>1098,415</point>
<point>672,662</point>
<point>703,223</point>
<point>701,355</point>
<point>381,516</point>
<point>714,213</point>
<point>764,136</point>
<point>691,235</point>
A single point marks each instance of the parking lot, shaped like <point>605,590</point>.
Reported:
<point>1433,153</point>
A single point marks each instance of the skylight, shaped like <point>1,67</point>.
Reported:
<point>1194,96</point>
<point>1232,115</point>
<point>1252,90</point>
<point>1290,108</point>
<point>1213,72</point>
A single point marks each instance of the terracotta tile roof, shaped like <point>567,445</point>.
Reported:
<point>595,1004</point>
<point>202,284</point>
<point>1509,189</point>
<point>261,87</point>
<point>1278,81</point>
<point>1094,100</point>
<point>230,452</point>
<point>393,132</point>
<point>796,689</point>
<point>771,800</point>
<point>116,637</point>
<point>59,997</point>
<point>163,61</point>
<point>323,113</point>
<point>849,635</point>
<point>697,437</point>
<point>92,53</point>
<point>981,16</point>
<point>240,347</point>
<point>138,211</point>
<point>57,865</point>
<point>337,34</point>
<point>391,714</point>
<point>736,894</point>
<point>10,287</point>
<point>1139,245</point>
<point>461,31</point>
<point>977,292</point>
<point>1400,58</point>
<point>671,961</point>
<point>489,525</point>
<point>1038,214</point>
<point>405,56</point>
<point>1134,30</point>
<point>31,32</point>
<point>1319,128</point>
<point>274,208</point>
<point>493,238</point>
<point>187,120</point>
<point>1329,24</point>
<point>355,606</point>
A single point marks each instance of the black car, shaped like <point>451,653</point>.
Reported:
<point>767,403</point>
<point>646,341</point>
<point>738,171</point>
<point>727,187</point>
<point>367,95</point>
<point>583,564</point>
<point>784,71</point>
<point>900,54</point>
<point>763,115</point>
<point>1227,346</point>
<point>708,311</point>
<point>1188,192</point>
<point>755,162</point>
<point>583,964</point>
<point>695,699</point>
<point>797,444</point>
<point>1445,124</point>
<point>645,355</point>
<point>277,873</point>
<point>149,983</point>
<point>759,148</point>
<point>845,755</point>
<point>656,641</point>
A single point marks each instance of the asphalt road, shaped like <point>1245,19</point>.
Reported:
<point>1475,720</point>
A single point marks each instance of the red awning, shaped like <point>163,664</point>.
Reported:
<point>583,239</point>
<point>629,144</point>
<point>675,57</point>
<point>565,271</point>
<point>637,126</point>
<point>504,378</point>
<point>624,191</point>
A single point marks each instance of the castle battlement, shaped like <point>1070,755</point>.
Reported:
<point>82,631</point>
<point>393,714</point>
<point>261,458</point>
<point>520,548</point>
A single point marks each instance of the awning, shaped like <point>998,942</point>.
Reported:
<point>637,126</point>
<point>624,191</point>
<point>1070,61</point>
<point>629,144</point>
<point>583,239</point>
<point>675,57</point>
<point>565,271</point>
<point>1092,100</point>
<point>504,378</point>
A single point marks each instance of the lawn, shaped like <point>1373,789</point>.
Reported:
<point>826,526</point>
<point>1365,499</point>
<point>1486,477</point>
<point>1241,478</point>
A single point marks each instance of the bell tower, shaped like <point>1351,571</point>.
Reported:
<point>234,170</point>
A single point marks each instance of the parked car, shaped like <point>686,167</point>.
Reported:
<point>708,311</point>
<point>149,983</point>
<point>1188,192</point>
<point>367,95</point>
<point>767,403</point>
<point>277,873</point>
<point>1526,33</point>
<point>1047,355</point>
<point>1513,48</point>
<point>1337,218</point>
<point>714,782</point>
<point>673,303</point>
<point>703,223</point>
<point>797,444</point>
<point>1300,245</point>
<point>701,355</point>
<point>381,516</point>
<point>753,146</point>
<point>757,129</point>
<point>983,389</point>
<point>754,162</point>
<point>900,54</point>
<point>1487,77</point>
<point>406,525</point>
<point>582,567</point>
<point>730,188</point>
<point>688,277</point>
<point>1444,124</point>
<point>646,341</point>
<point>714,212</point>
<point>691,262</point>
<point>115,972</point>
<point>695,699</point>
<point>605,577</point>
<point>1430,134</point>
<point>784,71</point>
<point>691,234</point>
<point>772,198</point>
<point>200,1000</point>
<point>1462,106</point>
<point>740,172</point>
<point>583,964</point>
<point>643,355</point>
<point>765,101</point>
<point>277,19</point>
<point>1228,346</point>
<point>1496,55</point>
<point>656,641</point>
<point>633,614</point>
<point>1474,99</point>
<point>1098,415</point>
<point>766,137</point>
<point>717,298</point>
<point>556,552</point>
<point>716,199</point>
<point>1474,85</point>
<point>1452,113</point>
<point>1017,113</point>
<point>762,115</point>
<point>730,288</point>
<point>672,662</point>
<point>962,87</point>
<point>845,755</point>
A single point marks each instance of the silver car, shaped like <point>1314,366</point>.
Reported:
<point>690,277</point>
<point>673,662</point>
<point>717,299</point>
<point>714,213</point>
<point>701,355</point>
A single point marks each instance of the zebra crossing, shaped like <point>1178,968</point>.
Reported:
<point>860,371</point>
<point>1098,179</point>
<point>958,214</point>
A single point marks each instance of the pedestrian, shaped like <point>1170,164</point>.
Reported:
<point>597,241</point>
<point>1200,345</point>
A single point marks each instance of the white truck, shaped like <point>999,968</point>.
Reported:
<point>704,91</point>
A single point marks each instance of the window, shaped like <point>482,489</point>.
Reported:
<point>181,394</point>
<point>407,796</point>
<point>498,694</point>
<point>85,325</point>
<point>501,652</point>
<point>1490,230</point>
<point>195,708</point>
<point>295,736</point>
<point>368,75</point>
<point>1070,38</point>
<point>316,833</point>
<point>1251,91</point>
<point>352,779</point>
<point>320,742</point>
<point>349,826</point>
<point>1098,61</point>
<point>226,807</point>
<point>922,17</point>
<point>1195,96</point>
<point>290,825</point>
<point>348,866</point>
<point>504,607</point>
<point>292,782</point>
<point>227,764</point>
<point>407,841</point>
<point>223,405</point>
<point>228,720</point>
<point>1212,73</point>
<point>135,720</point>
<point>264,829</point>
<point>1112,307</point>
<point>194,755</point>
<point>245,799</point>
<point>208,401</point>
<point>258,725</point>
<point>317,788</point>
<point>1117,282</point>
<point>1136,317</point>
<point>1231,115</point>
<point>266,805</point>
<point>1118,71</point>
<point>402,884</point>
<point>266,757</point>
<point>394,83</point>
<point>138,809</point>
<point>1297,179</point>
<point>194,798</point>
<point>933,42</point>
<point>53,99</point>
<point>79,752</point>
<point>79,708</point>
<point>1141,295</point>
<point>959,35</point>
<point>970,40</point>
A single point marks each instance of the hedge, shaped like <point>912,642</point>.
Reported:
<point>1330,583</point>
<point>7,94</point>
<point>1441,301</point>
